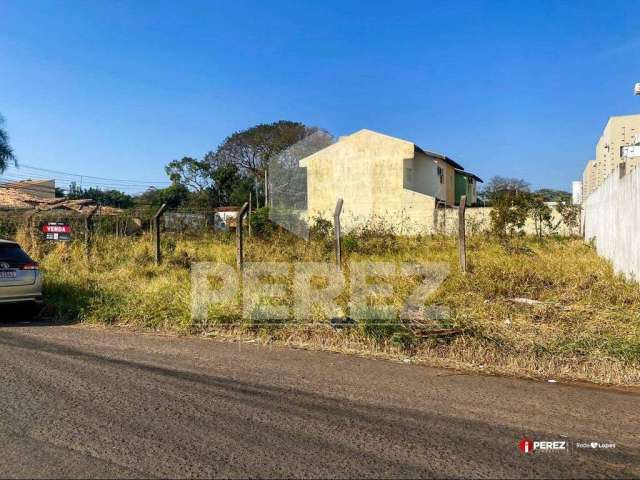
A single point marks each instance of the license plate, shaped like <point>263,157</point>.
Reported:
<point>7,274</point>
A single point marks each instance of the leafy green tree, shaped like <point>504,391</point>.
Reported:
<point>511,203</point>
<point>194,174</point>
<point>7,156</point>
<point>570,215</point>
<point>541,213</point>
<point>238,166</point>
<point>109,198</point>
<point>551,195</point>
<point>252,149</point>
<point>230,185</point>
<point>174,196</point>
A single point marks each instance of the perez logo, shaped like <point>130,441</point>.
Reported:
<point>527,445</point>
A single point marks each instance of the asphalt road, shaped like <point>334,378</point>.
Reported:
<point>90,402</point>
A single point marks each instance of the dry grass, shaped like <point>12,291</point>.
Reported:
<point>587,329</point>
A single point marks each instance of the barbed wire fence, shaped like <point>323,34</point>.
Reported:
<point>95,224</point>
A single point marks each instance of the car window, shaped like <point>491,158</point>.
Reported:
<point>13,255</point>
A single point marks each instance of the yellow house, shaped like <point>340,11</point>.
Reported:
<point>380,178</point>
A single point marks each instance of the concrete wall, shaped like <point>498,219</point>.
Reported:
<point>478,220</point>
<point>612,220</point>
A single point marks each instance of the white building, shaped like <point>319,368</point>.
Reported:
<point>576,191</point>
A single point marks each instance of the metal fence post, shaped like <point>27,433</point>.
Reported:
<point>156,233</point>
<point>88,227</point>
<point>462,241</point>
<point>337,230</point>
<point>240,236</point>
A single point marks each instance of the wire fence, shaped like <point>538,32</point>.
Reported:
<point>111,222</point>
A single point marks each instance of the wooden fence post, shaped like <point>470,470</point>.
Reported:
<point>240,236</point>
<point>462,241</point>
<point>337,230</point>
<point>88,227</point>
<point>249,215</point>
<point>156,233</point>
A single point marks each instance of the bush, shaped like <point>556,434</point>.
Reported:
<point>372,239</point>
<point>510,211</point>
<point>261,225</point>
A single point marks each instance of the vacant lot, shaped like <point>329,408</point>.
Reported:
<point>587,326</point>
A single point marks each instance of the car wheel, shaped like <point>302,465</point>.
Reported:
<point>32,310</point>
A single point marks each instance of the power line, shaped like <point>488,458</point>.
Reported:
<point>59,172</point>
<point>12,176</point>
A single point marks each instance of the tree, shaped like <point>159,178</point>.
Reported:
<point>501,184</point>
<point>211,182</point>
<point>551,195</point>
<point>174,196</point>
<point>570,215</point>
<point>541,213</point>
<point>6,152</point>
<point>231,187</point>
<point>227,175</point>
<point>109,198</point>
<point>509,212</point>
<point>511,204</point>
<point>194,174</point>
<point>252,149</point>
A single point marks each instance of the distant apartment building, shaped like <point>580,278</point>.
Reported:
<point>619,133</point>
<point>576,193</point>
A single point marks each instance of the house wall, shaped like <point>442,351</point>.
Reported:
<point>369,172</point>
<point>466,186</point>
<point>472,192</point>
<point>424,174</point>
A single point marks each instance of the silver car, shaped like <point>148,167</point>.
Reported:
<point>20,278</point>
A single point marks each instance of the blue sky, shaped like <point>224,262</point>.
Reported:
<point>119,89</point>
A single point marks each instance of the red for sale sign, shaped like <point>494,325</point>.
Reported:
<point>56,231</point>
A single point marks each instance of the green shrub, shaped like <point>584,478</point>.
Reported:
<point>261,224</point>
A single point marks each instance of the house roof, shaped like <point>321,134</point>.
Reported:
<point>429,153</point>
<point>18,199</point>
<point>28,183</point>
<point>448,160</point>
<point>469,174</point>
